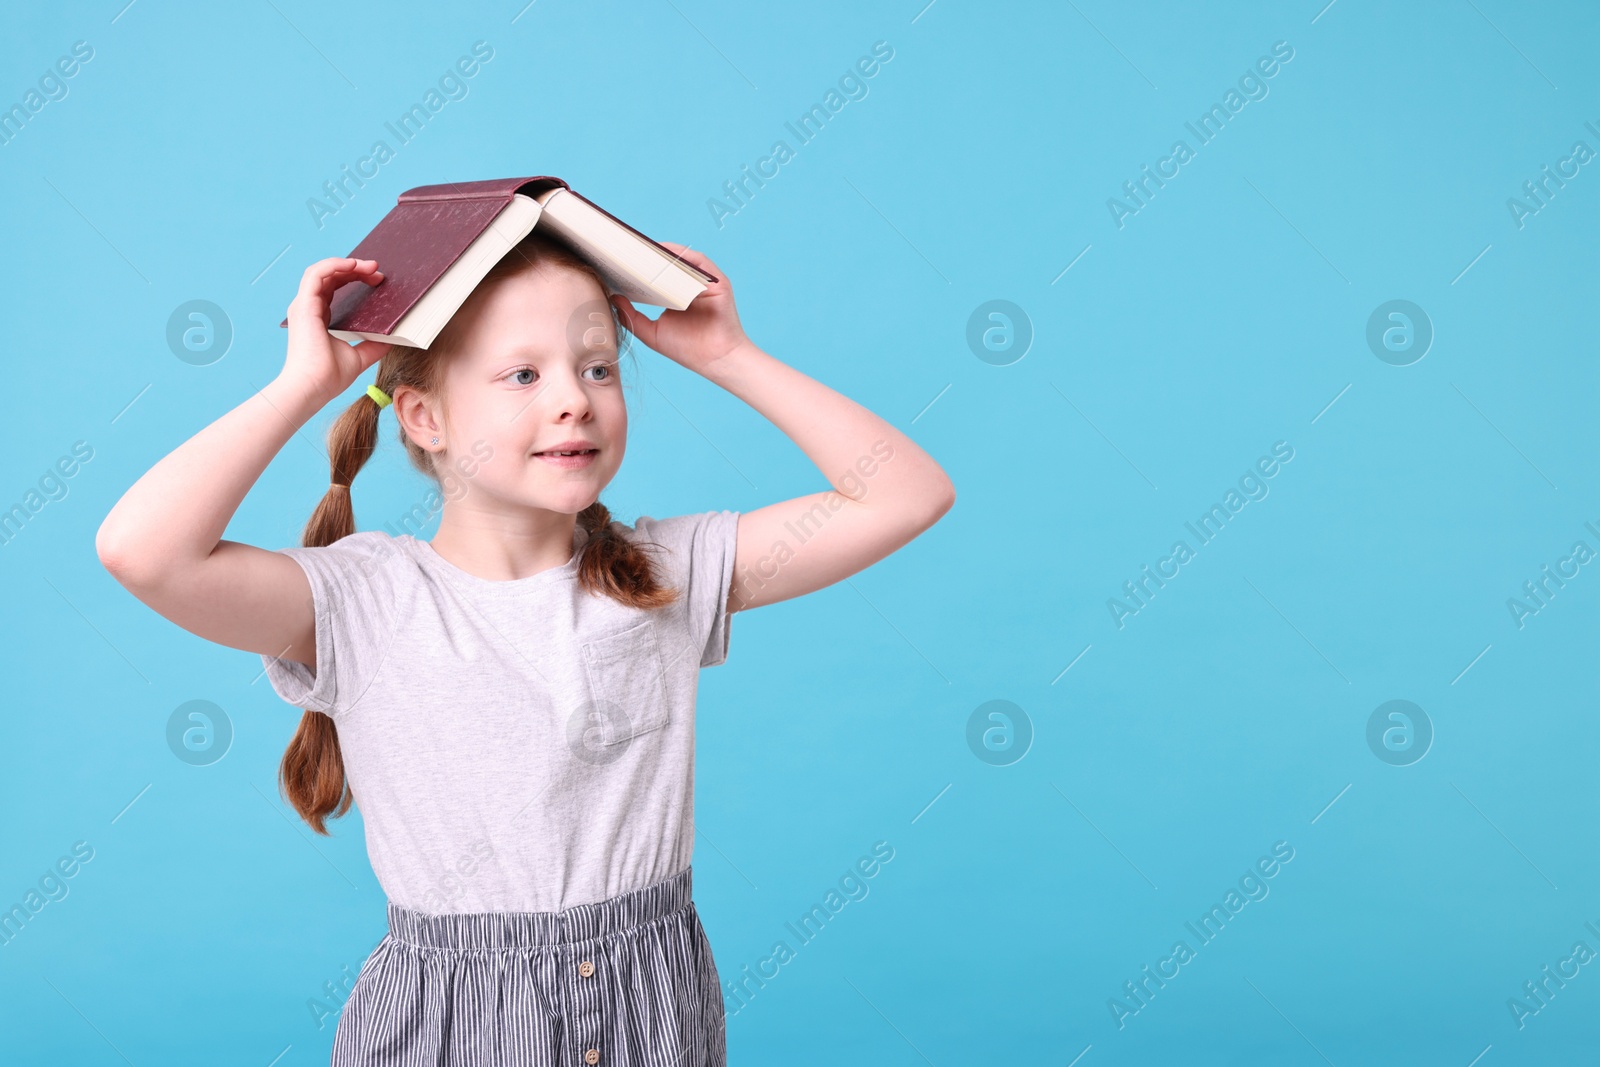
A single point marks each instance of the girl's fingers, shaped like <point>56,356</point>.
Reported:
<point>334,281</point>
<point>336,276</point>
<point>323,278</point>
<point>684,252</point>
<point>634,320</point>
<point>371,352</point>
<point>319,273</point>
<point>316,273</point>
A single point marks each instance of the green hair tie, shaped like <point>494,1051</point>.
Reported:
<point>378,395</point>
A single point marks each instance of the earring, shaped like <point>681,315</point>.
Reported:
<point>435,440</point>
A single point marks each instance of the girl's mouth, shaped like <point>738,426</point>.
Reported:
<point>570,460</point>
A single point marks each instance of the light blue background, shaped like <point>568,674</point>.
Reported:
<point>1223,317</point>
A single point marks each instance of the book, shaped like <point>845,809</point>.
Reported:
<point>438,241</point>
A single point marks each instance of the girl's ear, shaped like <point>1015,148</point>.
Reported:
<point>422,424</point>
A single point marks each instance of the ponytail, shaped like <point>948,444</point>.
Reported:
<point>312,771</point>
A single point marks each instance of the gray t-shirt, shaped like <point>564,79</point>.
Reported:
<point>514,745</point>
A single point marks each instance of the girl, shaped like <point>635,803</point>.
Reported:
<point>512,703</point>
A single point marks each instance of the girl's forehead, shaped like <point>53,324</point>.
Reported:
<point>540,313</point>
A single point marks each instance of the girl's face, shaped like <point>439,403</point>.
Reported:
<point>534,368</point>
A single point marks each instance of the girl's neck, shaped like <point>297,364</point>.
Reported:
<point>501,549</point>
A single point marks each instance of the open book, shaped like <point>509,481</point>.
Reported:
<point>438,242</point>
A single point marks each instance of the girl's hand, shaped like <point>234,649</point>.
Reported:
<point>317,361</point>
<point>699,335</point>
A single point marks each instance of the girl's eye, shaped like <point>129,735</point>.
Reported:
<point>605,368</point>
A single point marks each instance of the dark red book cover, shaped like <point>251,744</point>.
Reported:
<point>422,235</point>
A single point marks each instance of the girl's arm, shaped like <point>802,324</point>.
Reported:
<point>886,490</point>
<point>163,539</point>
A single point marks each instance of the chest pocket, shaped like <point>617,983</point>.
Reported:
<point>627,679</point>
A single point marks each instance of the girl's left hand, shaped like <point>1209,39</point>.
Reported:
<point>701,334</point>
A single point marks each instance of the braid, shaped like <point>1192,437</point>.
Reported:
<point>616,567</point>
<point>351,440</point>
<point>311,773</point>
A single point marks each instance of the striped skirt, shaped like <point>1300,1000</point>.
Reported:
<point>624,982</point>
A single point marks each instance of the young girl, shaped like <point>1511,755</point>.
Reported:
<point>512,704</point>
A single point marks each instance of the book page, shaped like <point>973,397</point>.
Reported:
<point>630,266</point>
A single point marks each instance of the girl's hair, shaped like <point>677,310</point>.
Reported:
<point>312,771</point>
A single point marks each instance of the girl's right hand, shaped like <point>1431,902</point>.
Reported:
<point>317,361</point>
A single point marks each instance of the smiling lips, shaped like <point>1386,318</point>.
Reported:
<point>570,458</point>
<point>576,444</point>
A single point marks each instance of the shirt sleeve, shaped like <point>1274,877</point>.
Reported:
<point>698,562</point>
<point>355,622</point>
